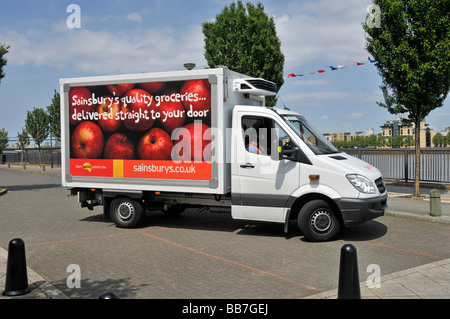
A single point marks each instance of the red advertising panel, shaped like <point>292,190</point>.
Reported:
<point>145,130</point>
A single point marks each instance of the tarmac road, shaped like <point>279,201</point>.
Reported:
<point>198,255</point>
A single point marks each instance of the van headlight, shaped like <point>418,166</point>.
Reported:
<point>361,183</point>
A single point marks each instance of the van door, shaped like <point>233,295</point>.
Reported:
<point>262,183</point>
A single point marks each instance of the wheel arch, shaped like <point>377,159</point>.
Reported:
<point>299,202</point>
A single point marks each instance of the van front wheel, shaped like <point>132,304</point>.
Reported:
<point>317,221</point>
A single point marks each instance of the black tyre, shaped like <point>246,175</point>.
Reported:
<point>126,212</point>
<point>318,222</point>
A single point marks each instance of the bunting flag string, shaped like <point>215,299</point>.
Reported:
<point>332,68</point>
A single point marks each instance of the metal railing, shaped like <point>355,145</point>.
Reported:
<point>394,164</point>
<point>31,156</point>
<point>399,164</point>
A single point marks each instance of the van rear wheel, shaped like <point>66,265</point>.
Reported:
<point>317,221</point>
<point>126,212</point>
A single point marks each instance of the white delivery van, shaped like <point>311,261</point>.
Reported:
<point>205,139</point>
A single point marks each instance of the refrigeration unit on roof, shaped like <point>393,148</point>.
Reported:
<point>255,86</point>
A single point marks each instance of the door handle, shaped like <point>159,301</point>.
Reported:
<point>248,165</point>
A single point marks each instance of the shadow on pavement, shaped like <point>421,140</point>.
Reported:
<point>191,219</point>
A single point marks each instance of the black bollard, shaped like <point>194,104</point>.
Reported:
<point>108,295</point>
<point>16,283</point>
<point>348,274</point>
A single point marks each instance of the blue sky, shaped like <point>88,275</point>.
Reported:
<point>135,36</point>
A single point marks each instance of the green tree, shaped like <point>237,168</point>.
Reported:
<point>409,140</point>
<point>358,141</point>
<point>37,124</point>
<point>381,141</point>
<point>3,140</point>
<point>438,140</point>
<point>3,50</point>
<point>23,141</point>
<point>54,116</point>
<point>372,140</point>
<point>244,39</point>
<point>390,141</point>
<point>399,141</point>
<point>412,49</point>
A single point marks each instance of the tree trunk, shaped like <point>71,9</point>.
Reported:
<point>417,166</point>
<point>40,155</point>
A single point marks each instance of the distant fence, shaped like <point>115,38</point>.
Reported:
<point>31,156</point>
<point>399,164</point>
<point>395,164</point>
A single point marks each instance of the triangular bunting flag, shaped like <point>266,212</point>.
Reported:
<point>333,68</point>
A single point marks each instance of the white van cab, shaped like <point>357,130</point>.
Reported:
<point>300,175</point>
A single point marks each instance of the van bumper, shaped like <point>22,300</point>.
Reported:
<point>358,211</point>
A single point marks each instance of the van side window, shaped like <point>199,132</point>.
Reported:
<point>284,139</point>
<point>256,134</point>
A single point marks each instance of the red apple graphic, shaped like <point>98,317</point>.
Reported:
<point>155,145</point>
<point>108,111</point>
<point>198,94</point>
<point>87,140</point>
<point>137,110</point>
<point>173,114</point>
<point>119,89</point>
<point>196,139</point>
<point>152,87</point>
<point>119,146</point>
<point>78,100</point>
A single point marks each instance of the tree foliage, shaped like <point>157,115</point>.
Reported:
<point>3,139</point>
<point>374,141</point>
<point>438,140</point>
<point>3,50</point>
<point>54,116</point>
<point>244,39</point>
<point>412,49</point>
<point>23,141</point>
<point>37,125</point>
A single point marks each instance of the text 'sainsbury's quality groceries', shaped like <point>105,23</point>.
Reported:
<point>141,130</point>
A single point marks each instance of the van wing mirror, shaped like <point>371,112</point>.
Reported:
<point>291,154</point>
<point>296,155</point>
<point>279,153</point>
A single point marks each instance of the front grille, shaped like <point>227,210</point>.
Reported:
<point>380,185</point>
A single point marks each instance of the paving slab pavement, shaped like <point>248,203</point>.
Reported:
<point>430,281</point>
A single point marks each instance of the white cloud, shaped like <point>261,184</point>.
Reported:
<point>106,52</point>
<point>361,97</point>
<point>135,16</point>
<point>315,96</point>
<point>354,116</point>
<point>328,30</point>
<point>302,82</point>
